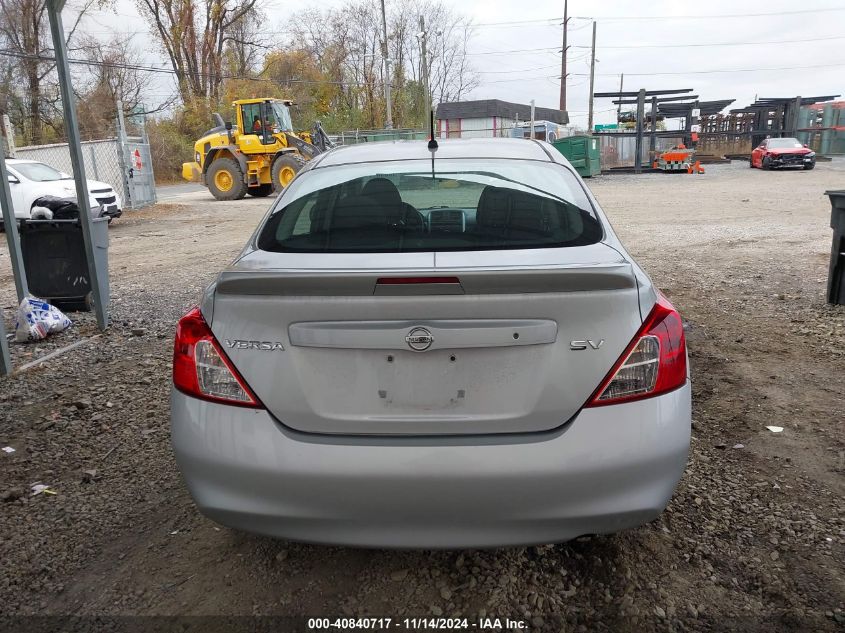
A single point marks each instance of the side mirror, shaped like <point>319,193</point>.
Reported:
<point>229,126</point>
<point>807,146</point>
<point>13,180</point>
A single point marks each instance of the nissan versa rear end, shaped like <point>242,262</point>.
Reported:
<point>444,348</point>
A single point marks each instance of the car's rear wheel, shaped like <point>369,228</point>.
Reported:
<point>226,180</point>
<point>261,191</point>
<point>751,162</point>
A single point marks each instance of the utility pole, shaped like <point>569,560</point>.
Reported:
<point>389,119</point>
<point>563,57</point>
<point>531,135</point>
<point>592,82</point>
<point>424,50</point>
<point>619,107</point>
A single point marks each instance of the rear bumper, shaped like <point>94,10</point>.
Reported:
<point>612,468</point>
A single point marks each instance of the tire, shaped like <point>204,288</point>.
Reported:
<point>751,163</point>
<point>767,163</point>
<point>809,167</point>
<point>261,191</point>
<point>285,167</point>
<point>226,180</point>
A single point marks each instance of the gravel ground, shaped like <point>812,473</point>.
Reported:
<point>752,540</point>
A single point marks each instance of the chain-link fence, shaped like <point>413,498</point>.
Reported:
<point>621,150</point>
<point>353,137</point>
<point>123,161</point>
<point>102,159</point>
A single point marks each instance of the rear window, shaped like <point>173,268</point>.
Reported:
<point>455,204</point>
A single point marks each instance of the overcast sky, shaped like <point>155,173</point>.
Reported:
<point>521,76</point>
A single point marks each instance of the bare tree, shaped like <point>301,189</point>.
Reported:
<point>25,34</point>
<point>113,75</point>
<point>451,75</point>
<point>346,41</point>
<point>244,47</point>
<point>193,34</point>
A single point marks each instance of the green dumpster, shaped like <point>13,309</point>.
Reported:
<point>582,152</point>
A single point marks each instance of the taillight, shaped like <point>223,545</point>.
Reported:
<point>202,369</point>
<point>653,363</point>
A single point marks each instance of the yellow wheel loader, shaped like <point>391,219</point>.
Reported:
<point>258,155</point>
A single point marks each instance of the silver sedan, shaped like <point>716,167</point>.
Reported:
<point>444,348</point>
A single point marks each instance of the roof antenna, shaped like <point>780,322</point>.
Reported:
<point>432,142</point>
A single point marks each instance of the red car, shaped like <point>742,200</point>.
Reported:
<point>782,152</point>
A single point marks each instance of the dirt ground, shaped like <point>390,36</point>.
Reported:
<point>753,539</point>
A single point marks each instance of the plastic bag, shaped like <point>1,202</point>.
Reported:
<point>41,213</point>
<point>35,319</point>
<point>62,208</point>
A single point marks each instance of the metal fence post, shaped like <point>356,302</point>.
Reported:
<point>121,156</point>
<point>10,135</point>
<point>12,238</point>
<point>5,358</point>
<point>54,10</point>
<point>13,241</point>
<point>93,152</point>
<point>146,139</point>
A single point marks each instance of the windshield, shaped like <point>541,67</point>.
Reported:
<point>467,204</point>
<point>282,113</point>
<point>784,143</point>
<point>39,172</point>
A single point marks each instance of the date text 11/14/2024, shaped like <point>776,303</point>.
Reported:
<point>417,624</point>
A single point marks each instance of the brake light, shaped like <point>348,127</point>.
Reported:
<point>417,280</point>
<point>653,363</point>
<point>201,368</point>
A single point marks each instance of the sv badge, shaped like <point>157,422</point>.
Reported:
<point>588,344</point>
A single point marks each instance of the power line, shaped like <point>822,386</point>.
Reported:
<point>711,72</point>
<point>515,22</point>
<point>170,71</point>
<point>522,70</point>
<point>503,81</point>
<point>710,16</point>
<point>812,39</point>
<point>549,49</point>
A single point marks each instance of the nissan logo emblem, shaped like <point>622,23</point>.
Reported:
<point>419,339</point>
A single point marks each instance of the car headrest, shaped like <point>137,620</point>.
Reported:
<point>493,207</point>
<point>357,212</point>
<point>511,210</point>
<point>383,191</point>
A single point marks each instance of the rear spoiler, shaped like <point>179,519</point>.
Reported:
<point>471,282</point>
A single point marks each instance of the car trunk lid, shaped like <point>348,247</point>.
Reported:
<point>425,343</point>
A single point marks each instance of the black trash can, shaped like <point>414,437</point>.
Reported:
<point>54,259</point>
<point>836,275</point>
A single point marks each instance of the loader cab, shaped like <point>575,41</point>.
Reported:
<point>264,119</point>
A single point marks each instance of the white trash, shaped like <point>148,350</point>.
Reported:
<point>35,319</point>
<point>41,213</point>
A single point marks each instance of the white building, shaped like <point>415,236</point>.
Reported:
<point>489,118</point>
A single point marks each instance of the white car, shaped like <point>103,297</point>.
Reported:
<point>30,180</point>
